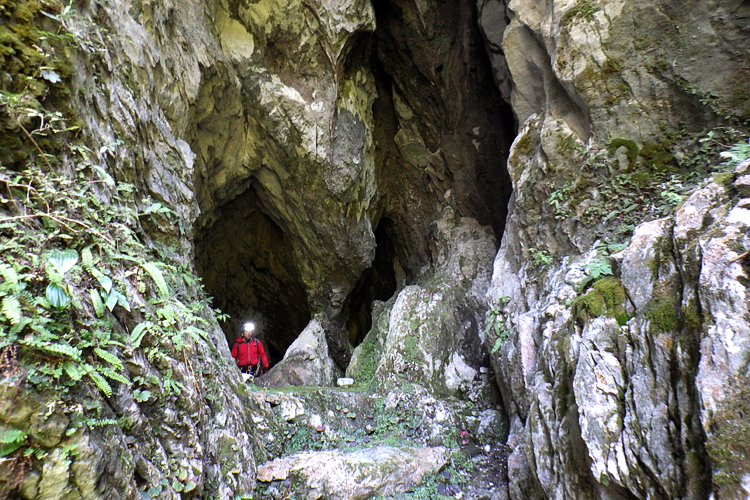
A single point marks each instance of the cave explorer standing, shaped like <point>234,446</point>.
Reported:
<point>249,353</point>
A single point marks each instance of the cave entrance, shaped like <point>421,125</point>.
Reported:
<point>248,265</point>
<point>376,283</point>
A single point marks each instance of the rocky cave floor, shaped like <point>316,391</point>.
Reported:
<point>320,419</point>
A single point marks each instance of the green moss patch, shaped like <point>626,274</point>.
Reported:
<point>605,298</point>
<point>630,146</point>
<point>663,313</point>
<point>33,70</point>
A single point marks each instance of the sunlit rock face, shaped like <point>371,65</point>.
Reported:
<point>282,128</point>
<point>611,374</point>
<point>316,124</point>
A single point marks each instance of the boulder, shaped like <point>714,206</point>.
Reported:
<point>356,475</point>
<point>307,362</point>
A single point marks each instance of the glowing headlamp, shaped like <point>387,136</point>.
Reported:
<point>249,326</point>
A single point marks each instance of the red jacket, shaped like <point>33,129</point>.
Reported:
<point>249,353</point>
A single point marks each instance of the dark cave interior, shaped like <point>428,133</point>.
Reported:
<point>248,262</point>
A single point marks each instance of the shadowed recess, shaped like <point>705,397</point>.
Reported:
<point>376,283</point>
<point>247,264</point>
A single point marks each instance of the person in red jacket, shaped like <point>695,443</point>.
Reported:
<point>249,353</point>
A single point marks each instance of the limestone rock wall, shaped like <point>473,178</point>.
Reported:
<point>622,310</point>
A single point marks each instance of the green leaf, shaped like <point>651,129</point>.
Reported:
<point>104,280</point>
<point>101,383</point>
<point>123,301</point>
<point>63,260</point>
<point>74,371</point>
<point>190,486</point>
<point>108,180</point>
<point>12,436</point>
<point>12,309</point>
<point>57,296</point>
<point>177,486</point>
<point>158,278</point>
<point>196,333</point>
<point>111,301</point>
<point>136,336</point>
<point>109,358</point>
<point>498,343</point>
<point>96,300</point>
<point>141,396</point>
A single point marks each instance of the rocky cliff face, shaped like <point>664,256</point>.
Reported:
<point>617,328</point>
<point>341,172</point>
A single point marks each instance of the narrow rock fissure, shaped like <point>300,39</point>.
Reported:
<point>376,283</point>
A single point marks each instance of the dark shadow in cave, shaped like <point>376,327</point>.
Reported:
<point>376,283</point>
<point>248,265</point>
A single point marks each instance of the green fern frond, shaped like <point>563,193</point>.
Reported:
<point>18,327</point>
<point>7,449</point>
<point>109,358</point>
<point>136,336</point>
<point>25,296</point>
<point>99,422</point>
<point>96,300</point>
<point>87,259</point>
<point>158,278</point>
<point>101,383</point>
<point>74,371</point>
<point>59,349</point>
<point>10,276</point>
<point>8,436</point>
<point>12,309</point>
<point>119,377</point>
<point>178,341</point>
<point>167,313</point>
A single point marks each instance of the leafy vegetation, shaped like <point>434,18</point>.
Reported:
<point>81,285</point>
<point>625,184</point>
<point>495,323</point>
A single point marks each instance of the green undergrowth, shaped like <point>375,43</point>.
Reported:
<point>79,292</point>
<point>82,284</point>
<point>496,324</point>
<point>625,183</point>
<point>372,423</point>
<point>33,72</point>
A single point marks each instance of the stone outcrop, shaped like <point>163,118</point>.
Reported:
<point>430,332</point>
<point>307,362</point>
<point>302,158</point>
<point>614,330</point>
<point>354,475</point>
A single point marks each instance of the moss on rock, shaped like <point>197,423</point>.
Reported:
<point>663,313</point>
<point>605,297</point>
